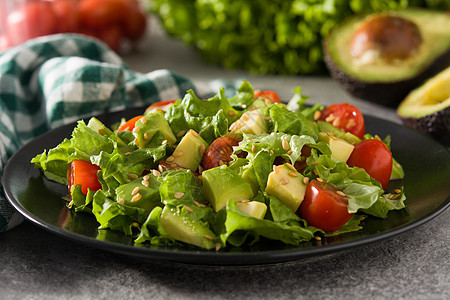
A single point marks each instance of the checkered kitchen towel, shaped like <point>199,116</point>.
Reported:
<point>55,80</point>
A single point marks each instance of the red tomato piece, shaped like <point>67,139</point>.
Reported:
<point>346,117</point>
<point>272,96</point>
<point>134,24</point>
<point>101,13</point>
<point>373,156</point>
<point>324,206</point>
<point>67,15</point>
<point>161,105</point>
<point>111,36</point>
<point>219,152</point>
<point>31,20</point>
<point>129,125</point>
<point>84,173</point>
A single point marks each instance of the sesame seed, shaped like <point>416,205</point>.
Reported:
<point>285,144</point>
<point>178,153</point>
<point>208,237</point>
<point>218,246</point>
<point>126,128</point>
<point>170,159</point>
<point>181,133</point>
<point>156,173</point>
<point>136,129</point>
<point>164,142</point>
<point>293,174</point>
<point>145,183</point>
<point>198,204</point>
<point>253,148</point>
<point>121,201</point>
<point>291,167</point>
<point>289,152</point>
<point>188,209</point>
<point>133,176</point>
<point>143,120</point>
<point>397,191</point>
<point>391,196</point>
<point>317,115</point>
<point>341,193</point>
<point>135,191</point>
<point>127,153</point>
<point>305,180</point>
<point>398,165</point>
<point>267,101</point>
<point>317,238</point>
<point>284,181</point>
<point>136,197</point>
<point>201,149</point>
<point>194,133</point>
<point>136,142</point>
<point>145,136</point>
<point>396,196</point>
<point>178,195</point>
<point>102,131</point>
<point>146,177</point>
<point>271,152</point>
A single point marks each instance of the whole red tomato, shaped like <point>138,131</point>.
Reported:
<point>66,12</point>
<point>101,13</point>
<point>373,156</point>
<point>324,206</point>
<point>31,20</point>
<point>346,117</point>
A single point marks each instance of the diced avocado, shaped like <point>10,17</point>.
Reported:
<point>340,149</point>
<point>221,184</point>
<point>255,209</point>
<point>185,230</point>
<point>258,103</point>
<point>346,136</point>
<point>251,122</point>
<point>397,170</point>
<point>142,192</point>
<point>147,126</point>
<point>96,125</point>
<point>249,175</point>
<point>287,185</point>
<point>190,150</point>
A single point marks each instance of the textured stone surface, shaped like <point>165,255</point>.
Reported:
<point>36,264</point>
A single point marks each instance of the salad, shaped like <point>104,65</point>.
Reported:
<point>228,171</point>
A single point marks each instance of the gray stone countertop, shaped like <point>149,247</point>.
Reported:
<point>36,264</point>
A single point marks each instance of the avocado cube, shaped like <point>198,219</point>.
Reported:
<point>147,126</point>
<point>346,136</point>
<point>142,192</point>
<point>190,150</point>
<point>251,122</point>
<point>287,185</point>
<point>255,209</point>
<point>340,149</point>
<point>221,184</point>
<point>185,230</point>
<point>96,125</point>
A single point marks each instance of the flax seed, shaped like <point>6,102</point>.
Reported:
<point>198,204</point>
<point>397,191</point>
<point>293,174</point>
<point>291,167</point>
<point>127,153</point>
<point>208,237</point>
<point>253,148</point>
<point>136,197</point>
<point>146,136</point>
<point>320,179</point>
<point>188,209</point>
<point>194,133</point>
<point>341,193</point>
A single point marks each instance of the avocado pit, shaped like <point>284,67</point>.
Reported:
<point>386,37</point>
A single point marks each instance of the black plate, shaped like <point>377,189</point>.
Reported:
<point>426,164</point>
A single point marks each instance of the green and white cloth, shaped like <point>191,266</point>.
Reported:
<point>56,80</point>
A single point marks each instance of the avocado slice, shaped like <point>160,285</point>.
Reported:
<point>381,57</point>
<point>190,150</point>
<point>427,108</point>
<point>221,184</point>
<point>287,185</point>
<point>185,230</point>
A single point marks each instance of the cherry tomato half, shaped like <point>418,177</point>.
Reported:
<point>219,152</point>
<point>161,105</point>
<point>346,117</point>
<point>129,125</point>
<point>323,207</point>
<point>269,95</point>
<point>84,173</point>
<point>373,156</point>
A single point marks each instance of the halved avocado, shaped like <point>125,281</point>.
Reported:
<point>381,57</point>
<point>427,108</point>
